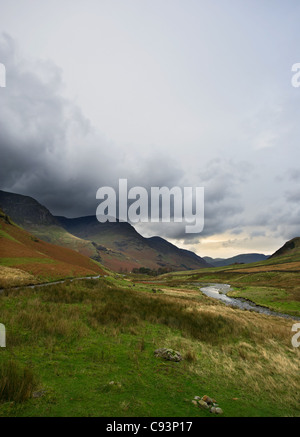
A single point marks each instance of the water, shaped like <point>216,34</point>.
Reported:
<point>219,291</point>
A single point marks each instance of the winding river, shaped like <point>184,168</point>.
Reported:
<point>219,291</point>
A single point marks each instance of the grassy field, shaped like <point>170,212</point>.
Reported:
<point>86,348</point>
<point>273,283</point>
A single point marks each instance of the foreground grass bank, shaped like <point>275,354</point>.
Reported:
<point>87,349</point>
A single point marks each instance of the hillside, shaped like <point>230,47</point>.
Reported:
<point>118,245</point>
<point>38,220</point>
<point>290,248</point>
<point>246,258</point>
<point>26,259</point>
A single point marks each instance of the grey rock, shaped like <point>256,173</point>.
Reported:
<point>168,354</point>
<point>203,404</point>
<point>38,394</point>
<point>207,399</point>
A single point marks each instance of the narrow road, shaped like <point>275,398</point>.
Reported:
<point>45,284</point>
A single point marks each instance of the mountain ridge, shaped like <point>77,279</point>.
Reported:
<point>116,245</point>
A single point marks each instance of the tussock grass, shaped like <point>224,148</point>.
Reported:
<point>55,311</point>
<point>129,308</point>
<point>89,333</point>
<point>16,383</point>
<point>12,277</point>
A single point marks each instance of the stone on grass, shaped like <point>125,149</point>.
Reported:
<point>207,403</point>
<point>203,404</point>
<point>207,399</point>
<point>168,354</point>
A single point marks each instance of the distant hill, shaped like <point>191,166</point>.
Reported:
<point>24,258</point>
<point>238,259</point>
<point>116,245</point>
<point>290,248</point>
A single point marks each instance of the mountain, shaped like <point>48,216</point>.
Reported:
<point>120,244</point>
<point>24,258</point>
<point>289,249</point>
<point>246,258</point>
<point>116,245</point>
<point>37,219</point>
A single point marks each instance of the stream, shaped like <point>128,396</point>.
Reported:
<point>219,291</point>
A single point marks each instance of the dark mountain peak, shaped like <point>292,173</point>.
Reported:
<point>85,227</point>
<point>25,210</point>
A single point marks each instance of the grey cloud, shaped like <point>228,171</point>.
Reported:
<point>50,150</point>
<point>223,209</point>
<point>293,196</point>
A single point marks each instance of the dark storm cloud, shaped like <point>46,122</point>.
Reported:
<point>50,151</point>
<point>48,148</point>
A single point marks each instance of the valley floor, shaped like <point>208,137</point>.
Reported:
<point>86,348</point>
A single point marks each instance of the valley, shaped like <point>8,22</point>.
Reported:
<point>86,346</point>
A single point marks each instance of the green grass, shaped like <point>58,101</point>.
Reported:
<point>10,262</point>
<point>4,234</point>
<point>274,298</point>
<point>78,337</point>
<point>59,236</point>
<point>16,384</point>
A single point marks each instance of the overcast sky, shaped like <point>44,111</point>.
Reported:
<point>164,93</point>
